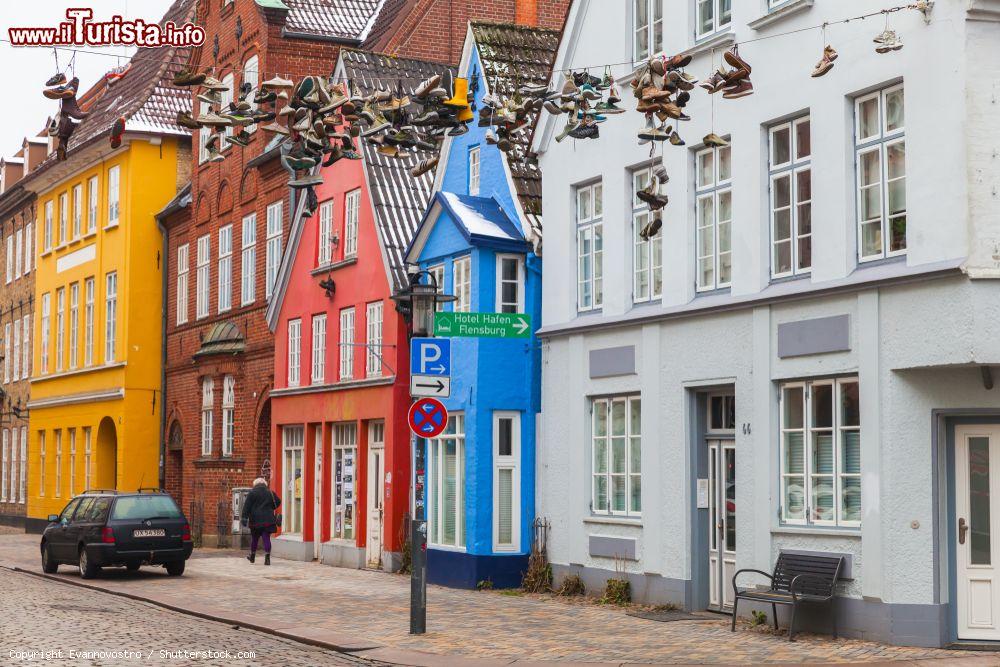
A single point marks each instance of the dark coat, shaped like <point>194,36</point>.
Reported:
<point>260,507</point>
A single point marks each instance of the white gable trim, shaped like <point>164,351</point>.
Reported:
<point>445,151</point>
<point>564,58</point>
<point>424,232</point>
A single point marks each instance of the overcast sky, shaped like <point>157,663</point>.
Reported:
<point>25,69</point>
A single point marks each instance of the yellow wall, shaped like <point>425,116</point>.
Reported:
<point>132,248</point>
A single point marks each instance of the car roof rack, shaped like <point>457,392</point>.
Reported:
<point>150,489</point>
<point>110,491</point>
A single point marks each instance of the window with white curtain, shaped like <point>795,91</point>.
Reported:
<point>57,436</point>
<point>647,25</point>
<point>248,263</point>
<point>207,405</point>
<point>225,268</point>
<point>791,198</point>
<point>60,331</point>
<point>292,438</point>
<point>228,414</point>
<point>461,270</point>
<point>18,249</point>
<point>86,457</point>
<point>41,463</point>
<point>474,171</point>
<point>343,514</point>
<point>6,352</point>
<point>63,222</point>
<point>110,316</point>
<point>114,184</point>
<point>10,258</point>
<point>77,210</point>
<point>72,462</point>
<point>590,246</point>
<point>318,375</point>
<point>347,343</point>
<point>23,468</point>
<point>647,254</point>
<point>294,351</point>
<point>714,218</point>
<point>26,347</point>
<point>352,205</point>
<point>446,485</point>
<point>16,350</point>
<point>373,342</point>
<point>182,283</point>
<point>324,254</point>
<point>273,250</point>
<point>47,231</point>
<point>202,284</point>
<point>506,481</point>
<point>880,146</point>
<point>88,322</point>
<point>92,197</point>
<point>616,434</point>
<point>74,325</point>
<point>712,16</point>
<point>510,284</point>
<point>29,240</point>
<point>821,453</point>
<point>43,352</point>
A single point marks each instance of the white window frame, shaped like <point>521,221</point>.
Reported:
<point>10,259</point>
<point>228,414</point>
<point>275,212</point>
<point>114,185</point>
<point>4,469</point>
<point>203,277</point>
<point>93,195</point>
<point>606,405</point>
<point>461,271</point>
<point>18,253</point>
<point>248,260</point>
<point>6,352</point>
<point>792,169</point>
<point>373,339</point>
<point>435,499</point>
<point>251,75</point>
<point>718,23</point>
<point>60,332</point>
<point>47,232</point>
<point>344,451</point>
<point>324,250</point>
<point>15,487</point>
<point>204,134</point>
<point>26,347</point>
<point>28,243</point>
<point>207,416</point>
<point>807,430</point>
<point>43,352</point>
<point>41,464</point>
<point>346,344</point>
<point>294,352</point>
<point>519,282</point>
<point>512,463</point>
<point>438,272</point>
<point>647,254</point>
<point>225,268</point>
<point>57,436</point>
<point>880,142</point>
<point>110,316</point>
<point>714,191</point>
<point>292,447</point>
<point>16,350</point>
<point>474,164</point>
<point>77,210</point>
<point>72,461</point>
<point>648,29</point>
<point>589,202</point>
<point>88,322</point>
<point>63,223</point>
<point>183,271</point>
<point>318,375</point>
<point>74,324</point>
<point>86,457</point>
<point>229,81</point>
<point>352,208</point>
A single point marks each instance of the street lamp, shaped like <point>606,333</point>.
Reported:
<point>419,302</point>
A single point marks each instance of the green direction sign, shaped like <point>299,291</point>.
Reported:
<point>482,325</point>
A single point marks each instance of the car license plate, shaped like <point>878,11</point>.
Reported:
<point>153,532</point>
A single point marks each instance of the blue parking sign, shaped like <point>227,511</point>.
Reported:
<point>430,356</point>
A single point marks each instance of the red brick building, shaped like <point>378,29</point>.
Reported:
<point>231,226</point>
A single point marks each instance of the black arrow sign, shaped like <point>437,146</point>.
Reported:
<point>439,386</point>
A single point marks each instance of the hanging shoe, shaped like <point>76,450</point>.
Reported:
<point>648,133</point>
<point>571,124</point>
<point>64,91</point>
<point>211,83</point>
<point>714,140</point>
<point>184,119</point>
<point>741,89</point>
<point>732,56</point>
<point>117,74</point>
<point>117,132</point>
<point>675,139</point>
<point>423,166</point>
<point>275,127</point>
<point>304,181</point>
<point>278,83</point>
<point>426,86</point>
<point>187,77</point>
<point>70,107</point>
<point>56,79</point>
<point>264,96</point>
<point>242,138</point>
<point>212,97</point>
<point>569,91</point>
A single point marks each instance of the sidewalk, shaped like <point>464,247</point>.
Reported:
<point>368,613</point>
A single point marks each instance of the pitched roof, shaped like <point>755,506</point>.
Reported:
<point>398,199</point>
<point>480,216</point>
<point>341,19</point>
<point>384,25</point>
<point>511,56</point>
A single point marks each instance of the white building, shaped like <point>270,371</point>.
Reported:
<point>821,391</point>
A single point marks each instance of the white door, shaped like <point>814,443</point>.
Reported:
<point>722,523</point>
<point>376,491</point>
<point>977,503</point>
<point>318,495</point>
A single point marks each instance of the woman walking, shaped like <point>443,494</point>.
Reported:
<point>260,513</point>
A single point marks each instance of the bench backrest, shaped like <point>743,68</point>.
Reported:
<point>790,565</point>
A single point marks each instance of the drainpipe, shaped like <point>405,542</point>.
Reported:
<point>163,357</point>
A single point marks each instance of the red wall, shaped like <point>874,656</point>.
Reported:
<point>357,284</point>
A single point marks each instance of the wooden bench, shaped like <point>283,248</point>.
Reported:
<point>797,578</point>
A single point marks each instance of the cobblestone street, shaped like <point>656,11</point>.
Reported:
<point>42,615</point>
<point>366,612</point>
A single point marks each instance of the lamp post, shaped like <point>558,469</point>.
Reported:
<point>418,303</point>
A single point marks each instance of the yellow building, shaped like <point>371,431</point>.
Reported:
<point>95,405</point>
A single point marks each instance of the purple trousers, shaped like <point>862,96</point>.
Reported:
<point>258,534</point>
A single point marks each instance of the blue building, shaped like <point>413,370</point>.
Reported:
<point>478,238</point>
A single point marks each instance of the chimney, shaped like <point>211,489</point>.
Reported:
<point>36,149</point>
<point>11,171</point>
<point>526,12</point>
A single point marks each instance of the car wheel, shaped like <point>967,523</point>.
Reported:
<point>132,567</point>
<point>49,566</point>
<point>87,569</point>
<point>176,568</point>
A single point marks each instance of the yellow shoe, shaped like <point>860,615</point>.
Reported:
<point>460,100</point>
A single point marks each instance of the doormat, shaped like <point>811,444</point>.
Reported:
<point>670,615</point>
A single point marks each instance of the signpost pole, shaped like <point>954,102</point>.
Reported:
<point>418,545</point>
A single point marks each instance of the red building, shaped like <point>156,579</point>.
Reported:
<point>341,445</point>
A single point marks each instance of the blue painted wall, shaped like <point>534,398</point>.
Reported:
<point>488,374</point>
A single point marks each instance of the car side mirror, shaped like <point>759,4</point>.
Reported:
<point>53,518</point>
